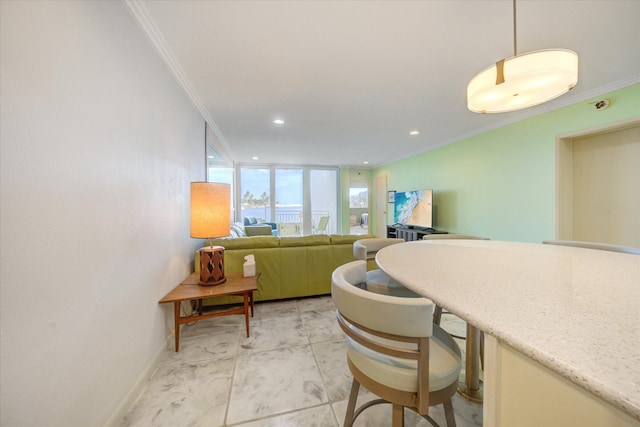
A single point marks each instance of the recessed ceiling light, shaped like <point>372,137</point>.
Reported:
<point>414,132</point>
<point>278,121</point>
<point>254,158</point>
<point>365,163</point>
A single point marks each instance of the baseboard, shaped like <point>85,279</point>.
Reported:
<point>124,406</point>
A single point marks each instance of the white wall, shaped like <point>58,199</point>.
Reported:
<point>98,146</point>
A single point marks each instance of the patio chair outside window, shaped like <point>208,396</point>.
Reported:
<point>322,225</point>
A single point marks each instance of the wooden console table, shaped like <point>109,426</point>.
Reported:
<point>189,290</point>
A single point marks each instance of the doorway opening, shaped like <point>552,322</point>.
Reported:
<point>597,175</point>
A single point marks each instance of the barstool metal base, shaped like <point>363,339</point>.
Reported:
<point>472,386</point>
<point>472,395</point>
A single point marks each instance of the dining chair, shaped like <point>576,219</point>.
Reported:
<point>594,245</point>
<point>377,280</point>
<point>394,349</point>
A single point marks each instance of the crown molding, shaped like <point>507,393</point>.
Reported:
<point>141,16</point>
<point>564,101</point>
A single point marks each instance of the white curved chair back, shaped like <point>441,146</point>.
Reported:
<point>377,280</point>
<point>594,245</point>
<point>365,249</point>
<point>394,349</point>
<point>412,317</point>
<point>451,236</point>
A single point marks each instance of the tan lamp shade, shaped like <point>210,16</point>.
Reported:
<point>210,217</point>
<point>210,209</point>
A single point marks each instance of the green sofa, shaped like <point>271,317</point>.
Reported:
<point>289,267</point>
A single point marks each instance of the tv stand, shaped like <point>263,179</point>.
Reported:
<point>410,232</point>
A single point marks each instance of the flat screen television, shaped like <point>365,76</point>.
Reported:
<point>413,208</point>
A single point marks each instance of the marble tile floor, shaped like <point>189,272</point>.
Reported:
<point>292,371</point>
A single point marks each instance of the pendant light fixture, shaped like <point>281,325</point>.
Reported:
<point>524,80</point>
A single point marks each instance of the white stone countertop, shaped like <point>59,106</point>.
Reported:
<point>575,311</point>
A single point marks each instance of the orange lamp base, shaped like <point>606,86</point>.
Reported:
<point>212,266</point>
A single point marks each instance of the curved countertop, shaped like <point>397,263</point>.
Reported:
<point>575,311</point>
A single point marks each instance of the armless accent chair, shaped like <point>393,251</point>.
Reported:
<point>377,280</point>
<point>593,245</point>
<point>394,349</point>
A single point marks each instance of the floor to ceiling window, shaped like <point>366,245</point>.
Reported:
<point>324,201</point>
<point>359,208</point>
<point>255,194</point>
<point>300,200</point>
<point>289,202</point>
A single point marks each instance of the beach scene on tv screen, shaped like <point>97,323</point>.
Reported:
<point>413,207</point>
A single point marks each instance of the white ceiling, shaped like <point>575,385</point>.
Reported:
<point>352,78</point>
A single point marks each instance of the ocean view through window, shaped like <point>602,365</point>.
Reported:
<point>295,198</point>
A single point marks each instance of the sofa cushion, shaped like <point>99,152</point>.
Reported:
<point>345,239</point>
<point>314,240</point>
<point>237,229</point>
<point>246,242</point>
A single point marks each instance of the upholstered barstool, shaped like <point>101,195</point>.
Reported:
<point>474,346</point>
<point>377,280</point>
<point>394,349</point>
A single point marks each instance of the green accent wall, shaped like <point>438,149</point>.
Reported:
<point>501,184</point>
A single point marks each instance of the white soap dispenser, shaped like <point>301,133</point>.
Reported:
<point>249,266</point>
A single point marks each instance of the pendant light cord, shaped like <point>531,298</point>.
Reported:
<point>515,40</point>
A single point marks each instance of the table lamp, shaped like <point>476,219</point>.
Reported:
<point>210,217</point>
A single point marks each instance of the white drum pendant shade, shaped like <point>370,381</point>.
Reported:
<point>523,81</point>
